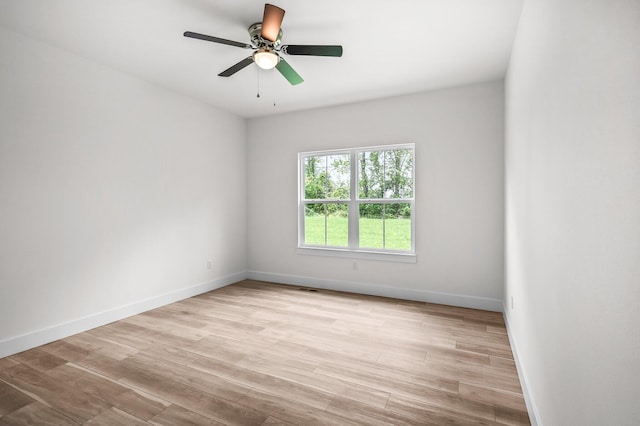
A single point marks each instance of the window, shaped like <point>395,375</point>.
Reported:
<point>358,202</point>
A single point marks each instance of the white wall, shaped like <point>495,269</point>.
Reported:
<point>114,193</point>
<point>459,137</point>
<point>573,209</point>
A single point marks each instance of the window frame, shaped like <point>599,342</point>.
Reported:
<point>354,201</point>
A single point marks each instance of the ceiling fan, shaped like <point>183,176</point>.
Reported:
<point>266,44</point>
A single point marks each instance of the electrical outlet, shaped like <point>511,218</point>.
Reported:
<point>209,264</point>
<point>511,302</point>
<point>355,266</point>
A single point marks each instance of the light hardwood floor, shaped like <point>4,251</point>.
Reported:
<point>257,353</point>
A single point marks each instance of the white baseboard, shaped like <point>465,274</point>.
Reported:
<point>30,340</point>
<point>484,303</point>
<point>532,409</point>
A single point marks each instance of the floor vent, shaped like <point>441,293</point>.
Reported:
<point>308,289</point>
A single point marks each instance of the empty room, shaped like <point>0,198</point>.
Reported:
<point>218,212</point>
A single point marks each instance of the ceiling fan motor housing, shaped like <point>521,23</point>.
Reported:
<point>255,32</point>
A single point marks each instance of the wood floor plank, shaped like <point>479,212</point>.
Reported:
<point>366,414</point>
<point>449,356</point>
<point>486,395</point>
<point>306,377</point>
<point>107,347</point>
<point>271,420</point>
<point>381,382</point>
<point>504,363</point>
<point>509,416</point>
<point>425,413</point>
<point>37,414</point>
<point>38,359</point>
<point>501,351</point>
<point>7,362</point>
<point>251,378</point>
<point>152,370</point>
<point>105,366</point>
<point>65,350</point>
<point>115,417</point>
<point>111,392</point>
<point>130,335</point>
<point>288,410</point>
<point>196,400</point>
<point>11,399</point>
<point>67,400</point>
<point>367,373</point>
<point>446,404</point>
<point>482,375</point>
<point>256,353</point>
<point>176,415</point>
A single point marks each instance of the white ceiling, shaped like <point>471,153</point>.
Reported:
<point>390,48</point>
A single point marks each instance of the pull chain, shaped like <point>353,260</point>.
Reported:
<point>273,84</point>
<point>258,79</point>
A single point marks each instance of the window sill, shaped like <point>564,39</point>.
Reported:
<point>358,254</point>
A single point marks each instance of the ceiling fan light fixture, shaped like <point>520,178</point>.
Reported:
<point>265,59</point>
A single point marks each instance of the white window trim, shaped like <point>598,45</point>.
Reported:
<point>353,252</point>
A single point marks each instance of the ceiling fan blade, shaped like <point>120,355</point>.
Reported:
<point>271,21</point>
<point>237,67</point>
<point>312,50</point>
<point>289,73</point>
<point>217,40</point>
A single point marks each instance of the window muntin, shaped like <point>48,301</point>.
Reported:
<point>325,224</point>
<point>378,219</point>
<point>327,177</point>
<point>385,226</point>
